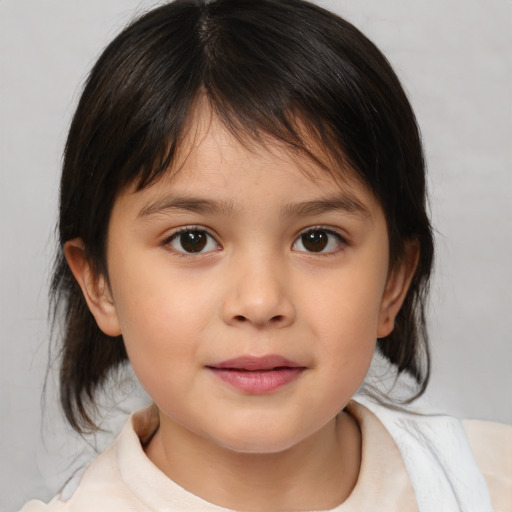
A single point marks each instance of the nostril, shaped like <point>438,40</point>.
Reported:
<point>275,319</point>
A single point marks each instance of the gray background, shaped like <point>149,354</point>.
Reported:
<point>454,57</point>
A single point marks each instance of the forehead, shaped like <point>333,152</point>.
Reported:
<point>216,168</point>
<point>212,156</point>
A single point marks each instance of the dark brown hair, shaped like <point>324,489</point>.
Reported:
<point>278,68</point>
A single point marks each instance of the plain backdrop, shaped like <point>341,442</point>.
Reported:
<point>454,58</point>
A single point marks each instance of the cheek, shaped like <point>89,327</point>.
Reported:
<point>161,318</point>
<point>344,317</point>
<point>348,307</point>
<point>154,296</point>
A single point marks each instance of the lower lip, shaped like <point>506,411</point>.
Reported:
<point>258,382</point>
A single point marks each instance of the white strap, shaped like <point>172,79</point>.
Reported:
<point>439,460</point>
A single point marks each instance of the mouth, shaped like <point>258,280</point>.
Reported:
<point>257,375</point>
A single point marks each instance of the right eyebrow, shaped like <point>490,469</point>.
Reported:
<point>186,204</point>
<point>344,202</point>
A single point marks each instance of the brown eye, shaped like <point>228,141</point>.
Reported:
<point>314,241</point>
<point>193,241</point>
<point>318,240</point>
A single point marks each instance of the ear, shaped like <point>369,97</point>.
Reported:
<point>397,287</point>
<point>94,287</point>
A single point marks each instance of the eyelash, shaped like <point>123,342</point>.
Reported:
<point>341,241</point>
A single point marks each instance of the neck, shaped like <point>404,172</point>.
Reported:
<point>318,473</point>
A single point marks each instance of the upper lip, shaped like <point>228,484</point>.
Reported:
<point>254,363</point>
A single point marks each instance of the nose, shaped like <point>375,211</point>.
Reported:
<point>258,295</point>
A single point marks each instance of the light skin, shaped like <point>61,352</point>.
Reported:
<point>276,261</point>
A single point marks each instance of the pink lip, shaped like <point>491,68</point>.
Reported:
<point>257,375</point>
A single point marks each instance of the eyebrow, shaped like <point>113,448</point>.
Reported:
<point>189,204</point>
<point>346,203</point>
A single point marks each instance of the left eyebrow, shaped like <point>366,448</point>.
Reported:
<point>345,203</point>
<point>186,204</point>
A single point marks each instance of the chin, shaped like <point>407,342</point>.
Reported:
<point>260,446</point>
<point>260,439</point>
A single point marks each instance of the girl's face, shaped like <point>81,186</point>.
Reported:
<point>249,293</point>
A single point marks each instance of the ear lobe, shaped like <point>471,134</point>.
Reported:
<point>94,287</point>
<point>397,287</point>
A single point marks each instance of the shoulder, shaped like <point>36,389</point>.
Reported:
<point>34,506</point>
<point>491,444</point>
<point>102,487</point>
<point>439,459</point>
<point>86,491</point>
<point>38,506</point>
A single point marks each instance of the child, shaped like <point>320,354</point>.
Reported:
<point>243,219</point>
